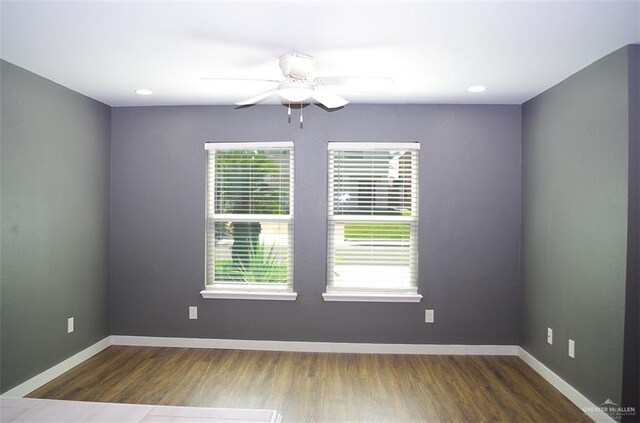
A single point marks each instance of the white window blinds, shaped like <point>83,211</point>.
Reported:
<point>373,217</point>
<point>250,216</point>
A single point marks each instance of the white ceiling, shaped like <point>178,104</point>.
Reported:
<point>433,50</point>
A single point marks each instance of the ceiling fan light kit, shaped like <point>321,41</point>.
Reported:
<point>295,91</point>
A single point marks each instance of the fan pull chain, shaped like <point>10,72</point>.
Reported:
<point>301,119</point>
<point>289,112</point>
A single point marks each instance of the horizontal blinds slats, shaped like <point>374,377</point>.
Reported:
<point>249,215</point>
<point>249,181</point>
<point>373,217</point>
<point>375,182</point>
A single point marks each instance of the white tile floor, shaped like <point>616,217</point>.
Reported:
<point>40,411</point>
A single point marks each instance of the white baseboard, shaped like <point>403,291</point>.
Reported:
<point>55,371</point>
<point>567,390</point>
<point>300,346</point>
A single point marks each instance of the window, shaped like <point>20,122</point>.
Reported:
<point>373,222</point>
<point>249,221</point>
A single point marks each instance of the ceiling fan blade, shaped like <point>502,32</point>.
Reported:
<point>236,79</point>
<point>354,83</point>
<point>257,98</point>
<point>327,98</point>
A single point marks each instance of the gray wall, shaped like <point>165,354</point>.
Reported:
<point>575,192</point>
<point>631,366</point>
<point>469,224</point>
<point>55,223</point>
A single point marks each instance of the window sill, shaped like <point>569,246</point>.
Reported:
<point>372,298</point>
<point>241,295</point>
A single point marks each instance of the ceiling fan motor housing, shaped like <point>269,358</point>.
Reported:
<point>297,66</point>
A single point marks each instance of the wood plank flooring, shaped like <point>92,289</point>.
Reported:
<point>320,387</point>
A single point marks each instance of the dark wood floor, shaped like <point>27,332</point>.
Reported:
<point>311,387</point>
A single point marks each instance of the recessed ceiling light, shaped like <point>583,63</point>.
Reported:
<point>144,91</point>
<point>477,88</point>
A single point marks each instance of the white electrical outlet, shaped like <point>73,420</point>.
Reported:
<point>428,316</point>
<point>193,312</point>
<point>70,325</point>
<point>572,348</point>
<point>549,336</point>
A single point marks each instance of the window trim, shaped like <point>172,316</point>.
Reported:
<point>248,295</point>
<point>246,145</point>
<point>375,145</point>
<point>250,291</point>
<point>371,297</point>
<point>386,295</point>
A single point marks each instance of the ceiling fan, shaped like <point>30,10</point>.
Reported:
<point>297,87</point>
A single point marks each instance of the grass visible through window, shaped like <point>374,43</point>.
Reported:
<point>394,231</point>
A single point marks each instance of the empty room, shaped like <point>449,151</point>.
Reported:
<point>320,211</point>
